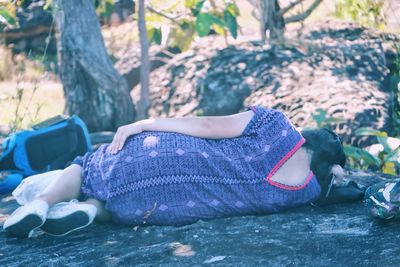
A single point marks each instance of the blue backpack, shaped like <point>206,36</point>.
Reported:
<point>50,145</point>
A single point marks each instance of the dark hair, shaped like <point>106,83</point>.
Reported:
<point>327,150</point>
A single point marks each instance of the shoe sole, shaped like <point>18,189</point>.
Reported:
<point>25,226</point>
<point>67,224</point>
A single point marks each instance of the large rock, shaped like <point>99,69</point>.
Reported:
<point>340,69</point>
<point>128,63</point>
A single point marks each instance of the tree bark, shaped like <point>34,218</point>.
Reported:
<point>270,18</point>
<point>144,102</point>
<point>92,87</point>
<point>305,14</point>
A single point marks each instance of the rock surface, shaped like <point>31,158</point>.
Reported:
<point>338,235</point>
<point>340,70</point>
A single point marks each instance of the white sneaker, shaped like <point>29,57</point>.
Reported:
<point>27,218</point>
<point>66,217</point>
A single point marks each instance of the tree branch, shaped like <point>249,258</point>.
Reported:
<point>290,6</point>
<point>304,15</point>
<point>151,9</point>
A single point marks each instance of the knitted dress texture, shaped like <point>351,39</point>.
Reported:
<point>166,178</point>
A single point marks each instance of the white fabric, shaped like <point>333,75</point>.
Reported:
<point>33,185</point>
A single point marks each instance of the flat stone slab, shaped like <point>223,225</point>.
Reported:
<point>338,235</point>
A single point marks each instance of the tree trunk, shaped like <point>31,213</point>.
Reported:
<point>92,87</point>
<point>271,20</point>
<point>144,102</point>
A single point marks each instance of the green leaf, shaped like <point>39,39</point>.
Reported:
<point>156,21</point>
<point>233,9</point>
<point>231,23</point>
<point>190,3</point>
<point>218,25</point>
<point>365,131</point>
<point>361,155</point>
<point>319,117</point>
<point>203,24</point>
<point>218,21</point>
<point>218,29</point>
<point>197,6</point>
<point>154,35</point>
<point>186,25</point>
<point>393,153</point>
<point>108,10</point>
<point>150,34</point>
<point>181,38</point>
<point>389,168</point>
<point>383,141</point>
<point>6,17</point>
<point>157,37</point>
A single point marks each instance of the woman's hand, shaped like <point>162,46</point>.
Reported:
<point>338,171</point>
<point>121,135</point>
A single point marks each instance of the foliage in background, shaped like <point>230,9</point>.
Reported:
<point>322,121</point>
<point>386,158</point>
<point>368,13</point>
<point>396,70</point>
<point>176,23</point>
<point>7,14</point>
<point>104,9</point>
<point>23,113</point>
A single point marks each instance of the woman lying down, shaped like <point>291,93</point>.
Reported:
<point>176,171</point>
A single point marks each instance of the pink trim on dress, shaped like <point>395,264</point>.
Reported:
<point>281,162</point>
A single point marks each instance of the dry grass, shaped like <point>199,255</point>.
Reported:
<point>6,66</point>
<point>45,102</point>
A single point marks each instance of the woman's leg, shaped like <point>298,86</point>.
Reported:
<point>102,215</point>
<point>65,187</point>
<point>60,219</point>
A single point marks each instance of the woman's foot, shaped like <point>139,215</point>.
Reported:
<point>66,217</point>
<point>24,220</point>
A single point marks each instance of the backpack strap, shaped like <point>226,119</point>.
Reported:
<point>72,136</point>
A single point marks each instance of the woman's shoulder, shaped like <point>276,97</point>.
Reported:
<point>266,120</point>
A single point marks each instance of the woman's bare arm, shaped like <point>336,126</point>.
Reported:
<point>211,127</point>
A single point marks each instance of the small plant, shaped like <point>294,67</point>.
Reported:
<point>178,23</point>
<point>23,115</point>
<point>368,13</point>
<point>322,120</point>
<point>386,158</point>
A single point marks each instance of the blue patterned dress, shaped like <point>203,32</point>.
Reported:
<point>166,178</point>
